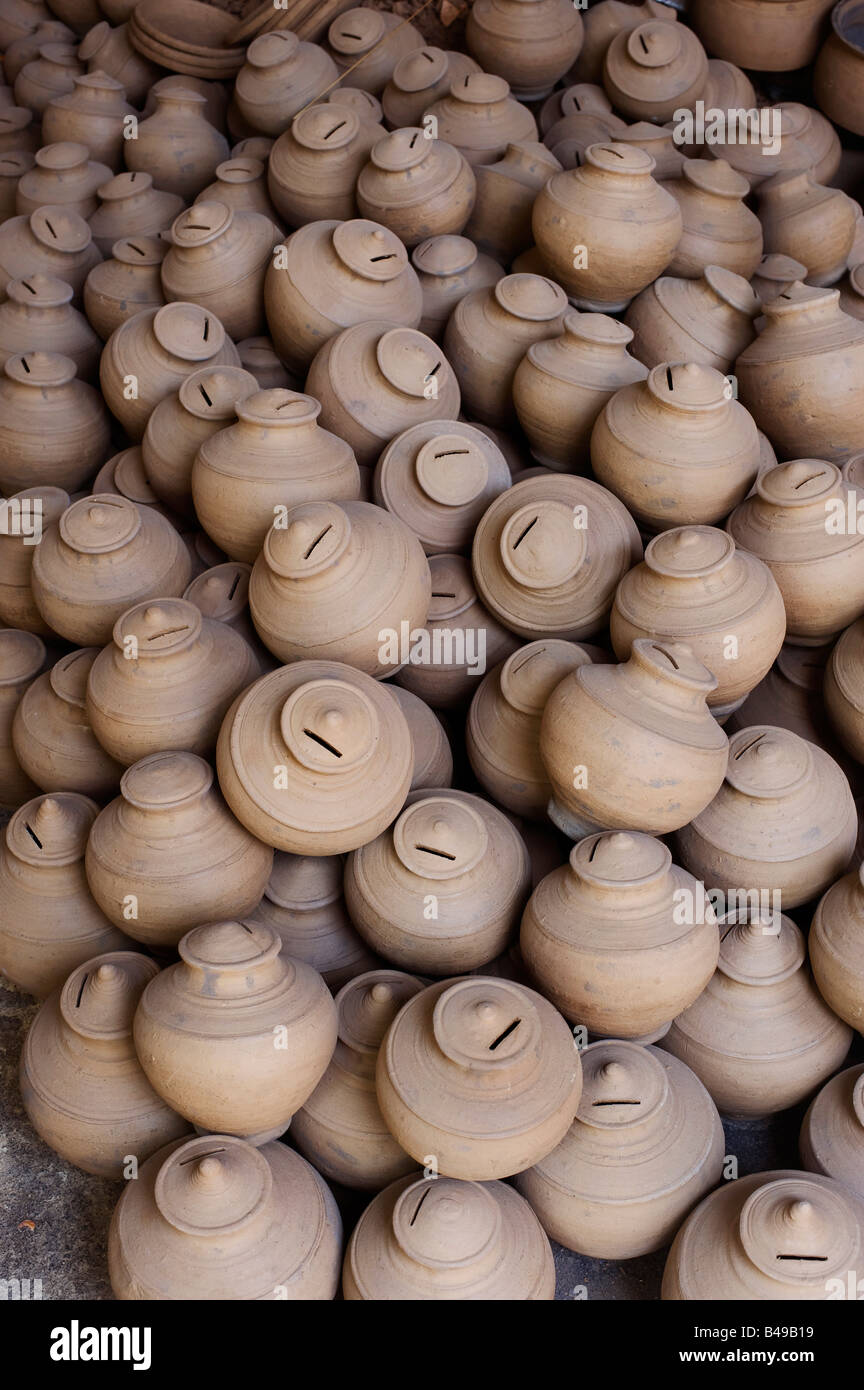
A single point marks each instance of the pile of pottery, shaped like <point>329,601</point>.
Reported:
<point>432,637</point>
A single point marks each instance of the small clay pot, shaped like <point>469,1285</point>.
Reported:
<point>530,43</point>
<point>109,50</point>
<point>22,657</point>
<point>25,48</point>
<point>416,186</point>
<point>646,1145</point>
<point>52,240</point>
<point>19,131</point>
<point>55,427</point>
<point>840,66</point>
<point>241,184</point>
<point>51,73</point>
<point>603,21</point>
<point>63,177</point>
<point>433,758</point>
<point>655,70</point>
<point>12,168</point>
<point>448,268</point>
<point>37,315</point>
<point>177,146</point>
<point>803,219</point>
<point>218,259</point>
<point>322,724</point>
<point>131,207</point>
<point>719,229</point>
<point>420,78</point>
<point>21,18</point>
<point>280,77</point>
<point>313,167</point>
<point>367,44</point>
<point>82,1085</point>
<point>127,283</point>
<point>37,508</point>
<point>52,737</point>
<point>49,924</point>
<point>500,221</point>
<point>480,117</point>
<point>96,113</point>
<point>832,1134</point>
<point>330,275</point>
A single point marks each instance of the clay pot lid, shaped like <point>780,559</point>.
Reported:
<point>52,830</point>
<point>234,947</point>
<point>408,360</point>
<point>329,725</point>
<point>43,291</point>
<point>221,592</point>
<point>316,536</point>
<point>357,99</point>
<point>99,81</point>
<point>68,676</point>
<point>212,392</point>
<point>768,762</point>
<point>99,524</point>
<point>40,369</point>
<point>540,547</point>
<point>181,96</point>
<point>65,154</point>
<point>60,229</point>
<point>645,130</point>
<point>452,469</point>
<point>800,483</point>
<point>269,50</point>
<point>93,40</point>
<point>420,69</point>
<point>201,224</point>
<point>783,269</point>
<point>213,1185</point>
<point>531,297</point>
<point>163,780</point>
<point>368,1004</point>
<point>440,838</point>
<point>401,149</point>
<point>715,176</point>
<point>188,331</point>
<point>301,882</point>
<point>623,1085</point>
<point>444,255</point>
<point>99,999</point>
<point>798,1231</point>
<point>278,406</point>
<point>369,249</point>
<point>486,1024</point>
<point>325,127</point>
<point>65,54</point>
<point>356,31</point>
<point>531,673</point>
<point>596,328</point>
<point>125,185</point>
<point>444,1223</point>
<point>689,386</point>
<point>15,118</point>
<point>852,469</point>
<point>689,552</point>
<point>617,858</point>
<point>798,297</point>
<point>480,89</point>
<point>676,661</point>
<point>130,479</point>
<point>241,169</point>
<point>654,44</point>
<point>615,158</point>
<point>22,655</point>
<point>756,953</point>
<point>161,627</point>
<point>18,162</point>
<point>733,289</point>
<point>803,666</point>
<point>453,588</point>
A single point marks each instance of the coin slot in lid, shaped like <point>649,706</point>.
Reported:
<point>540,547</point>
<point>213,1188</point>
<point>61,230</point>
<point>440,837</point>
<point>444,255</point>
<point>101,523</point>
<point>329,725</point>
<point>795,1228</point>
<point>369,249</point>
<point>68,676</point>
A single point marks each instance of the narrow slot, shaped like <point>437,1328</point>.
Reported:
<point>28,287</point>
<point>247,929</point>
<point>385,256</point>
<point>33,836</point>
<point>669,380</point>
<point>50,228</point>
<point>168,632</point>
<point>206,329</point>
<point>521,538</point>
<point>358,37</point>
<point>429,375</point>
<point>805,481</point>
<point>197,227</point>
<point>428,56</point>
<point>615,1102</point>
<point>617,153</point>
<point>318,540</point>
<point>137,249</point>
<point>668,656</point>
<point>643,43</point>
<point>526,659</point>
<point>316,738</point>
<point>441,595</point>
<point>211,1153</point>
<point>812,1259</point>
<point>25,365</point>
<point>748,746</point>
<point>412,142</point>
<point>334,130</point>
<point>451,453</point>
<point>439,853</point>
<point>81,990</point>
<point>232,591</point>
<point>511,1028</point>
<point>419,1205</point>
<point>594,849</point>
<point>204,394</point>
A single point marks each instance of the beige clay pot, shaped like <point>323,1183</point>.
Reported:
<point>52,737</point>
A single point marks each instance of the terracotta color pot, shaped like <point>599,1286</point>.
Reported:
<point>760,1037</point>
<point>603,21</point>
<point>128,283</point>
<point>55,427</point>
<point>48,75</point>
<point>646,1145</point>
<point>709,320</point>
<point>840,67</point>
<point>832,1135</point>
<point>52,737</point>
<point>542,572</point>
<point>12,167</point>
<point>17,547</point>
<point>377,37</point>
<point>25,48</point>
<point>131,207</point>
<point>275,457</point>
<point>803,219</point>
<point>331,275</point>
<point>63,177</point>
<point>375,380</point>
<point>775,274</point>
<point>109,50</point>
<point>241,184</point>
<point>416,186</point>
<point>49,924</point>
<point>218,259</point>
<point>52,240</point>
<point>22,657</point>
<point>280,77</point>
<point>37,315</point>
<point>761,33</point>
<point>449,268</point>
<point>835,948</point>
<point>530,43</point>
<point>628,225</point>
<point>215,1218</point>
<point>177,146</point>
<point>433,758</point>
<point>313,167</point>
<point>19,130</point>
<point>653,71</point>
<point>719,229</point>
<point>500,222</point>
<point>82,1085</point>
<point>420,78</point>
<point>479,116</point>
<point>96,113</point>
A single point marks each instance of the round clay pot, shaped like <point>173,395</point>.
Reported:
<point>36,507</point>
<point>26,48</point>
<point>416,186</point>
<point>762,34</point>
<point>52,737</point>
<point>330,275</point>
<point>49,924</point>
<point>51,73</point>
<point>131,207</point>
<point>177,146</point>
<point>836,935</point>
<point>96,113</point>
<point>375,380</point>
<point>376,37</point>
<point>481,1072</point>
<point>500,222</point>
<point>313,167</point>
<point>215,1218</point>
<point>340,1128</point>
<point>123,476</point>
<point>655,70</point>
<point>479,116</point>
<point>22,657</point>
<point>419,78</point>
<point>444,1240</point>
<point>82,1086</point>
<point>127,283</point>
<point>206,1031</point>
<point>222,592</point>
<point>37,315</point>
<point>218,259</point>
<point>840,67</point>
<point>247,475</point>
<point>241,184</point>
<point>832,1135</point>
<point>63,177</point>
<point>19,131</point>
<point>842,689</point>
<point>21,18</point>
<point>334,580</point>
<point>627,224</point>
<point>55,427</point>
<point>565,101</point>
<point>213,93</point>
<point>603,21</point>
<point>803,219</point>
<point>448,268</point>
<point>727,87</point>
<point>549,553</point>
<point>433,758</point>
<point>719,229</point>
<point>709,320</point>
<point>159,348</point>
<point>12,167</point>
<point>280,77</point>
<point>797,138</point>
<point>530,43</point>
<point>760,1037</point>
<point>110,51</point>
<point>52,240</point>
<point>774,274</point>
<point>646,1145</point>
<point>363,103</point>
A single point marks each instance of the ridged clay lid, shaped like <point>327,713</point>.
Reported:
<point>767,762</point>
<point>269,50</point>
<point>755,952</point>
<point>100,524</point>
<point>52,830</point>
<point>689,552</point>
<point>212,392</point>
<point>213,1186</point>
<point>22,655</point>
<point>798,1231</point>
<point>201,224</point>
<point>129,478</point>
<point>444,255</point>
<point>446,1223</point>
<point>330,726</point>
<point>316,537</point>
<point>688,386</point>
<point>620,859</point>
<point>165,781</point>
<point>369,249</point>
<point>420,69</point>
<point>39,291</point>
<point>233,948</point>
<point>60,229</point>
<point>99,999</point>
<point>800,483</point>
<point>221,592</point>
<point>531,673</point>
<point>368,1004</point>
<point>325,127</point>
<point>623,1085</point>
<point>125,185</point>
<point>355,32</point>
<point>715,176</point>
<point>539,545</point>
<point>440,838</point>
<point>40,369</point>
<point>654,44</point>
<point>409,360</point>
<point>451,469</point>
<point>530,297</point>
<point>161,627</point>
<point>480,89</point>
<point>188,331</point>
<point>278,407</point>
<point>139,251</point>
<point>65,154</point>
<point>68,676</point>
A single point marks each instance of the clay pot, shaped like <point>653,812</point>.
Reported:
<point>611,206</point>
<point>280,77</point>
<point>55,427</point>
<point>52,240</point>
<point>377,37</point>
<point>37,509</point>
<point>449,268</point>
<point>760,1037</point>
<point>832,1135</point>
<point>840,66</point>
<point>479,117</point>
<point>159,348</point>
<point>131,207</point>
<point>531,558</point>
<point>216,1218</point>
<point>727,87</point>
<point>564,101</point>
<point>363,103</point>
<point>443,1240</point>
<point>330,275</point>
<point>481,1072</point>
<point>128,283</point>
<point>719,229</point>
<point>218,259</point>
<point>835,948</point>
<point>333,580</point>
<point>605,20</point>
<point>22,657</point>
<point>419,78</point>
<point>82,1085</point>
<point>530,43</point>
<point>500,222</point>
<point>340,1128</point>
<point>213,93</point>
<point>790,137</point>
<point>258,356</point>
<point>19,131</point>
<point>762,34</point>
<point>205,1030</point>
<point>416,186</point>
<point>573,134</point>
<point>63,177</point>
<point>222,593</point>
<point>646,1145</point>
<point>275,457</point>
<point>49,924</point>
<point>654,70</point>
<point>95,113</point>
<point>109,50</point>
<point>37,314</point>
<point>815,224</point>
<point>433,758</point>
<point>375,380</point>
<point>53,740</point>
<point>659,142</point>
<point>48,75</point>
<point>620,939</point>
<point>317,806</point>
<point>241,184</point>
<point>123,476</point>
<point>851,291</point>
<point>313,167</point>
<point>709,320</point>
<point>20,18</point>
<point>12,168</point>
<point>166,680</point>
<point>489,332</point>
<point>177,146</point>
<point>26,48</point>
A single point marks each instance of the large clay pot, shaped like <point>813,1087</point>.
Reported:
<point>241,184</point>
<point>840,67</point>
<point>479,116</point>
<point>341,749</point>
<point>313,167</point>
<point>82,1086</point>
<point>51,73</point>
<point>443,1240</point>
<point>815,225</point>
<point>330,275</point>
<point>500,221</point>
<point>52,240</point>
<point>63,177</point>
<point>22,657</point>
<point>832,1134</point>
<point>448,268</point>
<point>420,78</point>
<point>836,937</point>
<point>433,757</point>
<point>127,283</point>
<point>530,43</point>
<point>719,229</point>
<point>49,924</point>
<point>37,508</point>
<point>131,207</point>
<point>645,1147</point>
<point>280,77</point>
<point>417,187</point>
<point>177,146</point>
<point>549,553</point>
<point>37,314</point>
<point>216,1219</point>
<point>166,680</point>
<point>218,259</point>
<point>709,320</point>
<point>96,113</point>
<point>562,384</point>
<point>52,737</point>
<point>654,71</point>
<point>621,940</point>
<point>607,229</point>
<point>109,50</point>
<point>54,427</point>
<point>762,34</point>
